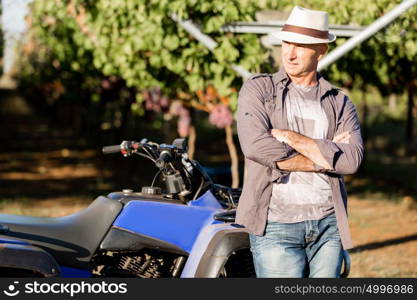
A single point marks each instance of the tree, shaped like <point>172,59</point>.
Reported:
<point>138,42</point>
<point>138,48</point>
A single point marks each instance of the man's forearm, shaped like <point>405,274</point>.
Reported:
<point>298,163</point>
<point>303,145</point>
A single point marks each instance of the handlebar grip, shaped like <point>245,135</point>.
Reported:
<point>112,149</point>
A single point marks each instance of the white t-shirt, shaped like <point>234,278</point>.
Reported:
<point>303,196</point>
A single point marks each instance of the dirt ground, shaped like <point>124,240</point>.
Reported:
<point>385,238</point>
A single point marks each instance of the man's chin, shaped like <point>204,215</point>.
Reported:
<point>293,72</point>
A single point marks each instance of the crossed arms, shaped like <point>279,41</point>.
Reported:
<point>309,152</point>
<point>289,151</point>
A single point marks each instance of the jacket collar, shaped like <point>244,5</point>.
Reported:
<point>282,77</point>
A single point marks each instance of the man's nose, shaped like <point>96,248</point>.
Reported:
<point>291,52</point>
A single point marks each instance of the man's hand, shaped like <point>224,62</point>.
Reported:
<point>303,145</point>
<point>280,135</point>
<point>298,163</point>
<point>342,138</point>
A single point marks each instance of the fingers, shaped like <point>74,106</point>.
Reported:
<point>279,135</point>
<point>275,133</point>
<point>342,138</point>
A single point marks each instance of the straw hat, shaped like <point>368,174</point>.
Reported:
<point>306,26</point>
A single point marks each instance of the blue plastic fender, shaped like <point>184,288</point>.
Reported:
<point>170,222</point>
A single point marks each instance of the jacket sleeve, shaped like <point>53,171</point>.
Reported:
<point>344,158</point>
<point>253,127</point>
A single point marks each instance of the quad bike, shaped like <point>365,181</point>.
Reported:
<point>184,230</point>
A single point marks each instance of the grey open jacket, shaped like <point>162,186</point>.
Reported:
<point>259,111</point>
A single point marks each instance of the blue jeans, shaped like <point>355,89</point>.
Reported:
<point>310,248</point>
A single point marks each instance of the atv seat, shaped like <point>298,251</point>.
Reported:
<point>73,239</point>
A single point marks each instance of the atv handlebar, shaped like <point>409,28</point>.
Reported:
<point>182,176</point>
<point>126,148</point>
<point>111,149</point>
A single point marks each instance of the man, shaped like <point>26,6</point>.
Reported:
<point>299,136</point>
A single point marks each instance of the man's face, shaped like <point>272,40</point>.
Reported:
<point>301,59</point>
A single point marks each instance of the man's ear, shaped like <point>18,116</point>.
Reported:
<point>323,50</point>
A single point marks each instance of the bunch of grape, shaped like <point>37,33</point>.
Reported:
<point>109,82</point>
<point>221,116</point>
<point>155,100</point>
<point>106,84</point>
<point>184,117</point>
